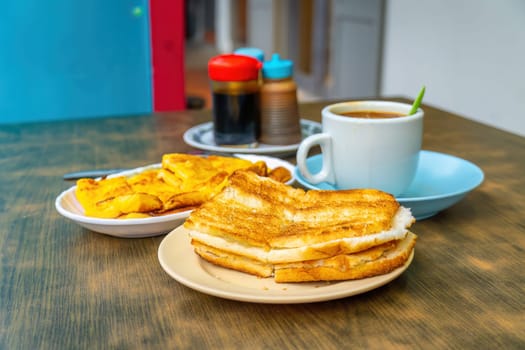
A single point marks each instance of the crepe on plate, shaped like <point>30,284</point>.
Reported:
<point>182,183</point>
<point>265,228</point>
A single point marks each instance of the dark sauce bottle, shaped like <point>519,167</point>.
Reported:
<point>236,100</point>
<point>237,118</point>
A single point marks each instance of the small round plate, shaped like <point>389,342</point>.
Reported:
<point>177,258</point>
<point>441,181</point>
<point>68,206</point>
<point>201,137</point>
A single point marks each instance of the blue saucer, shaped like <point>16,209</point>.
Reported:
<point>441,181</point>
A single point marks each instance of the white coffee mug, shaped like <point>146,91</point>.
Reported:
<point>380,153</point>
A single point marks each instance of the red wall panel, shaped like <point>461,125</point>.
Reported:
<point>167,45</point>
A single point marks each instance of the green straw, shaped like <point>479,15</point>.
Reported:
<point>417,101</point>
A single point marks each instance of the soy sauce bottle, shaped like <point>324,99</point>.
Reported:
<point>236,100</point>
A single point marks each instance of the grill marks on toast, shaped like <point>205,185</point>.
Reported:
<point>267,214</point>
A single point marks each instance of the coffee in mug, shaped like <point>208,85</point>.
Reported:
<point>372,114</point>
<point>366,144</point>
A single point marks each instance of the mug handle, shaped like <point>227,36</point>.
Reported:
<point>326,173</point>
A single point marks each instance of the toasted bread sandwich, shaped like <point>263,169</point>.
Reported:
<point>263,227</point>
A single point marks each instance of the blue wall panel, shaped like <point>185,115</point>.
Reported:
<point>66,59</point>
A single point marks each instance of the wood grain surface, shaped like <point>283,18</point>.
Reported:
<point>65,287</point>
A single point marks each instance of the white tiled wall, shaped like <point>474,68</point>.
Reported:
<point>469,53</point>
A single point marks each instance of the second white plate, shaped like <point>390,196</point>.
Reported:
<point>201,137</point>
<point>177,258</point>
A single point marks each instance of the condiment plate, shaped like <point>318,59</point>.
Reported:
<point>68,206</point>
<point>201,137</point>
<point>177,258</point>
<point>441,181</point>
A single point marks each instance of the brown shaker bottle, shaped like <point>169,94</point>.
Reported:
<point>280,122</point>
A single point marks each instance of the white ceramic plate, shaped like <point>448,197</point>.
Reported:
<point>201,137</point>
<point>68,206</point>
<point>441,181</point>
<point>177,258</point>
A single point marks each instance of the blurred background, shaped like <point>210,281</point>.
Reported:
<point>61,59</point>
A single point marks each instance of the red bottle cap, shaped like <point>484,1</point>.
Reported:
<point>232,67</point>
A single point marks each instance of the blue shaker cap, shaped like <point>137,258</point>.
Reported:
<point>276,68</point>
<point>250,51</point>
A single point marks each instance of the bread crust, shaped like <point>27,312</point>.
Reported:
<point>372,262</point>
<point>232,261</point>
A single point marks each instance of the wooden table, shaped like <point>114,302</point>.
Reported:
<point>65,287</point>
